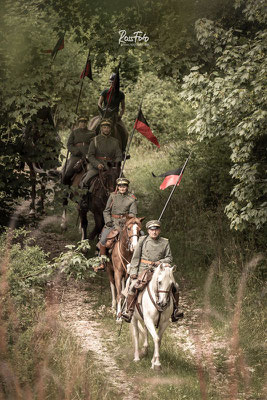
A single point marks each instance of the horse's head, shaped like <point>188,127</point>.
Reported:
<point>163,281</point>
<point>110,176</point>
<point>133,228</point>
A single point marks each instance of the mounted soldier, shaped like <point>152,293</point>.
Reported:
<point>151,251</point>
<point>78,145</point>
<point>103,150</point>
<point>111,104</point>
<point>120,205</point>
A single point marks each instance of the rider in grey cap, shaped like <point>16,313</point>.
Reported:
<point>150,251</point>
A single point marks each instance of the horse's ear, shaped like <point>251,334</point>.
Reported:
<point>161,266</point>
<point>141,219</point>
<point>174,268</point>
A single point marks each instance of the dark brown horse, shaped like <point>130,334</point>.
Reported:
<point>40,151</point>
<point>120,257</point>
<point>102,185</point>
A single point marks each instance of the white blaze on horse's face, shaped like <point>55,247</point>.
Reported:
<point>165,280</point>
<point>134,238</point>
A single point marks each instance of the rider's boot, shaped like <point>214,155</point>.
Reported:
<point>176,315</point>
<point>128,313</point>
<point>103,250</point>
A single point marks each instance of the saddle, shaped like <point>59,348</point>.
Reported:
<point>112,238</point>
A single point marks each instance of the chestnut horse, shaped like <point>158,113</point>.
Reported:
<point>120,257</point>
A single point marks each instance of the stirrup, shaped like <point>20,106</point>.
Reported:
<point>126,317</point>
<point>176,316</point>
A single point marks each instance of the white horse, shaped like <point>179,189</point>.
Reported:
<point>154,312</point>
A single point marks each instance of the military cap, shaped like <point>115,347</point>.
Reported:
<point>154,224</point>
<point>82,119</point>
<point>105,122</point>
<point>112,76</point>
<point>122,181</point>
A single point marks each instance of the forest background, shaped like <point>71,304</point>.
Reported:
<point>202,78</point>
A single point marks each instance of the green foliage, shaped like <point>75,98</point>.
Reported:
<point>28,274</point>
<point>230,102</point>
<point>74,262</point>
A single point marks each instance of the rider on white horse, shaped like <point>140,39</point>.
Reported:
<point>150,251</point>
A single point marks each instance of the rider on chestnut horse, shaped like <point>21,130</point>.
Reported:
<point>120,204</point>
<point>150,251</point>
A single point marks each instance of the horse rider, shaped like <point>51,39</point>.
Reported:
<point>150,251</point>
<point>103,149</point>
<point>116,106</point>
<point>78,145</point>
<point>120,204</point>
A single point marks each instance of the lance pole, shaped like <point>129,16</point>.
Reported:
<point>174,187</point>
<point>130,141</point>
<point>83,75</point>
<point>112,91</point>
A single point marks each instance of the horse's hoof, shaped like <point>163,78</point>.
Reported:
<point>156,368</point>
<point>118,321</point>
<point>144,352</point>
<point>63,227</point>
<point>32,213</point>
<point>136,359</point>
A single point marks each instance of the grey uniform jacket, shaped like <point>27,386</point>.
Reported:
<point>119,204</point>
<point>151,250</point>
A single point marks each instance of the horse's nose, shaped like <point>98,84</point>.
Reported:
<point>162,304</point>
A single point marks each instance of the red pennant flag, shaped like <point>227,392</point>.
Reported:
<point>172,177</point>
<point>87,71</point>
<point>142,126</point>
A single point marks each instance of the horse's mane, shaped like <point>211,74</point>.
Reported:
<point>158,270</point>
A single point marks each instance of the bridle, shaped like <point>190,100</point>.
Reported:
<point>128,242</point>
<point>155,303</point>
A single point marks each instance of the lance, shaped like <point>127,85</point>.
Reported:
<point>77,105</point>
<point>112,91</point>
<point>174,187</point>
<point>129,142</point>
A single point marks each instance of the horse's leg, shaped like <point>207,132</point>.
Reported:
<point>83,209</point>
<point>63,224</point>
<point>110,272</point>
<point>145,343</point>
<point>135,332</point>
<point>42,196</point>
<point>84,223</point>
<point>155,362</point>
<point>99,223</point>
<point>33,189</point>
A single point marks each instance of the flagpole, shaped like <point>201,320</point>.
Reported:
<point>178,179</point>
<point>84,71</point>
<point>130,141</point>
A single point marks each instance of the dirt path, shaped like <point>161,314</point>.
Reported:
<point>80,319</point>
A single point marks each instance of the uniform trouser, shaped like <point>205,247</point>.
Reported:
<point>66,179</point>
<point>104,234</point>
<point>91,172</point>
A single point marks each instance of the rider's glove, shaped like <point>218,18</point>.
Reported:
<point>156,263</point>
<point>109,224</point>
<point>100,166</point>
